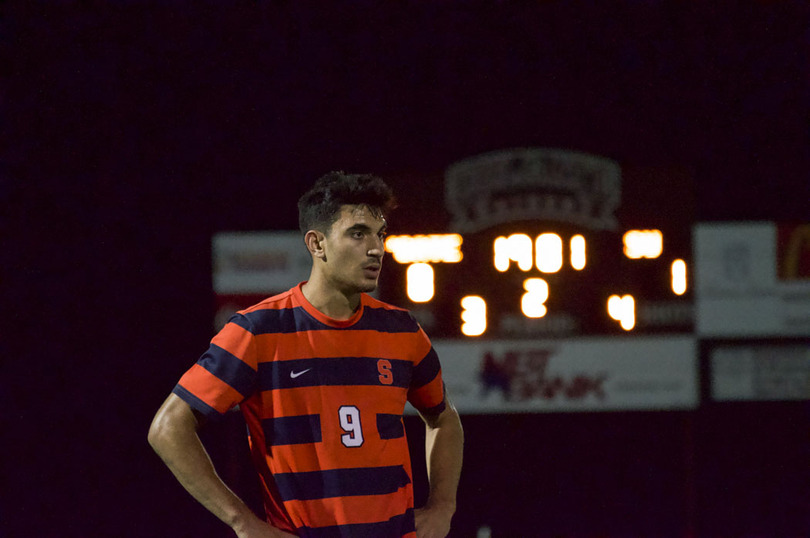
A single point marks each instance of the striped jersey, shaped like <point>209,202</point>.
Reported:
<point>323,400</point>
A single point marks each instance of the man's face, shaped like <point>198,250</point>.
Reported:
<point>354,249</point>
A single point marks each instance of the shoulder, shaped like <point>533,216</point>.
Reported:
<point>265,315</point>
<point>369,301</point>
<point>385,314</point>
<point>276,302</point>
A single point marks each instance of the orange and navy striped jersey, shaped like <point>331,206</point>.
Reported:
<point>323,400</point>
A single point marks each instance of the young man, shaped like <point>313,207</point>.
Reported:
<point>321,374</point>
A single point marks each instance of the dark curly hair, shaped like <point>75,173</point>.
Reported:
<point>319,207</point>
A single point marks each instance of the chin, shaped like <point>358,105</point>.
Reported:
<point>368,288</point>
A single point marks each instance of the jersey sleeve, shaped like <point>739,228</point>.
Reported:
<point>426,392</point>
<point>225,375</point>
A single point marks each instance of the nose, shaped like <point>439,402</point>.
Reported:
<point>377,248</point>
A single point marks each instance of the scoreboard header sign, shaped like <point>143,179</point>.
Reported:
<point>532,184</point>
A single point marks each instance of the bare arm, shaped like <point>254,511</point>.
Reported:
<point>173,435</point>
<point>444,446</point>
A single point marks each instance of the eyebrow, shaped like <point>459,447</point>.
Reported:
<point>366,228</point>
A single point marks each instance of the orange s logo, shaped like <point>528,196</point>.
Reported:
<point>384,367</point>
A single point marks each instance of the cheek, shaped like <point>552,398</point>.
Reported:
<point>342,260</point>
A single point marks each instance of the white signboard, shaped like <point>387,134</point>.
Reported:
<point>259,262</point>
<point>737,290</point>
<point>587,374</point>
<point>761,372</point>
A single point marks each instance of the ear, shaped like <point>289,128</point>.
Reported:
<point>314,241</point>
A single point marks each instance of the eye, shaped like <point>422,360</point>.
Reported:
<point>382,235</point>
<point>357,234</point>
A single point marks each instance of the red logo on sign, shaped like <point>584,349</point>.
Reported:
<point>523,375</point>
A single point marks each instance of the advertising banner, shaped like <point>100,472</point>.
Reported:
<point>588,374</point>
<point>251,266</point>
<point>752,279</point>
<point>760,372</point>
<point>259,262</point>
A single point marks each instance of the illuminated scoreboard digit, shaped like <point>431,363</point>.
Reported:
<point>537,252</point>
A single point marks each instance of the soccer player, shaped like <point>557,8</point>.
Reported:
<point>321,374</point>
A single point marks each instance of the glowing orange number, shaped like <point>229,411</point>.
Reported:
<point>474,315</point>
<point>533,301</point>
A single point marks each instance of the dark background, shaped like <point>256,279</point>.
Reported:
<point>133,131</point>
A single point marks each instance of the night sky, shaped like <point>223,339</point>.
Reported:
<point>133,131</point>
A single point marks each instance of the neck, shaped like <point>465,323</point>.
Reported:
<point>329,300</point>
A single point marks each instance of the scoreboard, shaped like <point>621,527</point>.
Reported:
<point>535,250</point>
<point>540,281</point>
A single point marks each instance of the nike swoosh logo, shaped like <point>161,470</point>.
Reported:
<point>293,375</point>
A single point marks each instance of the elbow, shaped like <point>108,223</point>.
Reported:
<point>453,423</point>
<point>164,429</point>
<point>173,423</point>
<point>459,427</point>
<point>157,433</point>
<point>453,417</point>
<point>449,419</point>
